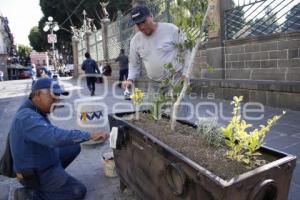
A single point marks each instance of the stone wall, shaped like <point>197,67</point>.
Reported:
<point>275,57</point>
<point>284,95</point>
<point>209,63</point>
<point>262,69</point>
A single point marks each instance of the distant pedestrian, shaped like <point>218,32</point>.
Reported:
<point>123,67</point>
<point>91,70</point>
<point>33,72</point>
<point>101,68</point>
<point>1,76</point>
<point>41,73</point>
<point>106,70</point>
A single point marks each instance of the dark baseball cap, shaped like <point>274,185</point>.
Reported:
<point>139,14</point>
<point>48,83</point>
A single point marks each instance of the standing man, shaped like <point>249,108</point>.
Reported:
<point>1,76</point>
<point>123,66</point>
<point>42,151</point>
<point>91,69</point>
<point>154,45</point>
<point>33,72</point>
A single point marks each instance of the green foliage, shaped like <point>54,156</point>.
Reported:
<point>244,146</point>
<point>210,130</point>
<point>37,40</point>
<point>137,96</point>
<point>69,13</point>
<point>24,51</point>
<point>157,105</point>
<point>188,16</point>
<point>24,54</point>
<point>210,69</point>
<point>168,92</point>
<point>173,82</point>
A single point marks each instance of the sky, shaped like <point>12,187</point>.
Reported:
<point>22,16</point>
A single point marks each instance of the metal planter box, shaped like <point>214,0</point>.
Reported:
<point>154,171</point>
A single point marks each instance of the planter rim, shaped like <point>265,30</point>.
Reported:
<point>223,182</point>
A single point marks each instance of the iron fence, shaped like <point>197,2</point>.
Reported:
<point>261,17</point>
<point>120,33</point>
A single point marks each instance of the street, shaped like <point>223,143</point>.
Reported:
<point>88,167</point>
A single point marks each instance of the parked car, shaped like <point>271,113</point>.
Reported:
<point>24,73</point>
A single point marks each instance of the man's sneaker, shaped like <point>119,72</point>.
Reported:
<point>127,95</point>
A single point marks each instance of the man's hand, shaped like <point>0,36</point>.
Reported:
<point>127,83</point>
<point>96,136</point>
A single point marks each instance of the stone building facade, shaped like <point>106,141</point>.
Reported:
<point>7,48</point>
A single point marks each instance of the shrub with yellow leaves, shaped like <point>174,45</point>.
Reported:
<point>244,146</point>
<point>137,96</point>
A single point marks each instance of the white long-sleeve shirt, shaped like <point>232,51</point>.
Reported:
<point>155,51</point>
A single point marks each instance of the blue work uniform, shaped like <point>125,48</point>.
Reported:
<point>37,144</point>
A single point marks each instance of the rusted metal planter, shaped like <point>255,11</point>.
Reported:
<point>156,171</point>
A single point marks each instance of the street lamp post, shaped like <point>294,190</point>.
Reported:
<point>105,21</point>
<point>83,33</point>
<point>53,27</point>
<point>85,30</point>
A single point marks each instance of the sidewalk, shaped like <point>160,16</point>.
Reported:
<point>284,136</point>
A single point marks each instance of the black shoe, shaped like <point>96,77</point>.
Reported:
<point>92,93</point>
<point>21,194</point>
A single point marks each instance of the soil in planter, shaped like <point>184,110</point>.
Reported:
<point>184,141</point>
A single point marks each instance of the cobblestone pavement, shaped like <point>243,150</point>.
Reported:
<point>88,166</point>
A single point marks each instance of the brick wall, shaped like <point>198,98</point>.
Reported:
<point>262,69</point>
<point>275,57</point>
<point>209,57</point>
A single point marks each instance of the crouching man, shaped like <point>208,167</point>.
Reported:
<point>42,151</point>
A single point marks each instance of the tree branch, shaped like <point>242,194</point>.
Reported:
<point>189,71</point>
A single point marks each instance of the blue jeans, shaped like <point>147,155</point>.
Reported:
<point>56,183</point>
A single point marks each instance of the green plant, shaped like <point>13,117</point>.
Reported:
<point>157,104</point>
<point>211,131</point>
<point>244,146</point>
<point>168,91</point>
<point>188,15</point>
<point>187,9</point>
<point>190,18</point>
